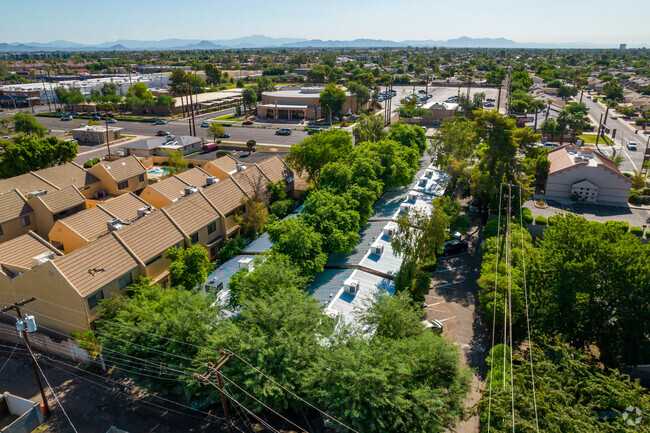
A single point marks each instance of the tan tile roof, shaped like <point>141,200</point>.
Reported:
<point>25,183</point>
<point>559,159</point>
<point>90,223</point>
<point>226,163</point>
<point>125,206</point>
<point>124,168</point>
<point>225,195</point>
<point>192,213</point>
<point>275,168</point>
<point>21,250</point>
<point>608,162</point>
<point>251,179</point>
<point>93,266</point>
<point>67,174</point>
<point>150,236</point>
<point>172,187</point>
<point>194,176</point>
<point>67,198</point>
<point>12,206</point>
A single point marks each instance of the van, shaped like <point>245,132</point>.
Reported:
<point>210,147</point>
<point>631,145</point>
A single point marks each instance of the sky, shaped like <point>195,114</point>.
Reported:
<point>91,22</point>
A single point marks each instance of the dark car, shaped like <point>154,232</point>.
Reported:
<point>162,133</point>
<point>66,118</point>
<point>248,122</point>
<point>209,147</point>
<point>96,118</point>
<point>454,247</point>
<point>73,113</point>
<point>313,131</point>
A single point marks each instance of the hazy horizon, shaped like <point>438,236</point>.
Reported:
<point>554,21</point>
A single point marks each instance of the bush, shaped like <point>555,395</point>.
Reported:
<point>541,221</point>
<point>552,220</point>
<point>527,215</point>
<point>645,199</point>
<point>627,174</point>
<point>164,163</point>
<point>281,208</point>
<point>623,226</point>
<point>636,231</point>
<point>190,165</point>
<point>90,163</point>
<point>646,191</point>
<point>490,228</point>
<point>639,121</point>
<point>222,153</point>
<point>635,197</point>
<point>231,248</point>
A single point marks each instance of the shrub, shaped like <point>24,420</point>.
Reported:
<point>623,226</point>
<point>646,191</point>
<point>221,153</point>
<point>636,231</point>
<point>527,215</point>
<point>541,221</point>
<point>490,228</point>
<point>645,199</point>
<point>164,163</point>
<point>190,165</point>
<point>639,121</point>
<point>231,248</point>
<point>627,174</point>
<point>281,208</point>
<point>90,163</point>
<point>635,197</point>
<point>552,220</point>
<point>647,234</point>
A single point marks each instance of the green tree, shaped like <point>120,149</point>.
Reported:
<point>419,237</point>
<point>156,323</point>
<point>299,241</point>
<point>613,91</point>
<point>275,274</point>
<point>176,161</point>
<point>332,99</point>
<point>250,145</point>
<point>189,267</point>
<point>140,91</point>
<point>28,153</point>
<point>456,138</point>
<point>361,93</point>
<point>369,127</point>
<point>458,222</point>
<point>255,217</point>
<point>397,164</point>
<point>216,130</point>
<point>249,97</point>
<point>212,74</point>
<point>314,152</point>
<point>394,317</point>
<point>332,217</point>
<point>27,124</point>
<point>408,136</point>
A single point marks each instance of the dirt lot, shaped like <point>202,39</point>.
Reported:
<point>453,301</point>
<point>95,404</point>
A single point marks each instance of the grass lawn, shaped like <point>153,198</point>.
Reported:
<point>230,118</point>
<point>591,139</point>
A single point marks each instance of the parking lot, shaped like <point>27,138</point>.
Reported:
<point>441,94</point>
<point>594,212</point>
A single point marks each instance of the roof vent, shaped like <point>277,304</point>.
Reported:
<point>190,190</point>
<point>413,196</point>
<point>404,207</point>
<point>377,249</point>
<point>36,193</point>
<point>42,258</point>
<point>114,224</point>
<point>144,211</point>
<point>246,262</point>
<point>241,166</point>
<point>389,230</point>
<point>351,287</point>
<point>211,180</point>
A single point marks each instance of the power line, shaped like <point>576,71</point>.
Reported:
<point>10,355</point>
<point>52,390</point>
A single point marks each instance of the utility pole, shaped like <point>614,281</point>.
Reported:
<point>189,88</point>
<point>499,98</point>
<point>108,141</point>
<point>213,369</point>
<point>16,307</point>
<point>600,124</point>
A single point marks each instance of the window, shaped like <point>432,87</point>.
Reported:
<point>1,233</point>
<point>123,185</point>
<point>214,250</point>
<point>211,227</point>
<point>125,281</point>
<point>93,300</point>
<point>194,238</point>
<point>25,221</point>
<point>141,178</point>
<point>158,257</point>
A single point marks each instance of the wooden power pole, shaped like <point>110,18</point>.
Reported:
<point>16,307</point>
<point>213,369</point>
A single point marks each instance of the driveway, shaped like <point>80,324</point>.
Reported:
<point>453,300</point>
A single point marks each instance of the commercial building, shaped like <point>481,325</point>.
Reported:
<point>95,134</point>
<point>585,175</point>
<point>298,104</point>
<point>160,146</point>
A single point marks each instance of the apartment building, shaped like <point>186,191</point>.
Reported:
<point>121,176</point>
<point>168,190</point>
<point>16,216</point>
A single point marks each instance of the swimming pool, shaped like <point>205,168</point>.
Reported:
<point>159,170</point>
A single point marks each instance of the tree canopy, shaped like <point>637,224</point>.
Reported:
<point>29,153</point>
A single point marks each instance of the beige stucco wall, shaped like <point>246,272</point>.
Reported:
<point>63,234</point>
<point>13,228</point>
<point>110,186</point>
<point>613,188</point>
<point>43,216</point>
<point>154,198</point>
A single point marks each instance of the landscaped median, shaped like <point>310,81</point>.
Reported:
<point>118,118</point>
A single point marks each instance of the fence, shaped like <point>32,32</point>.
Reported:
<point>45,344</point>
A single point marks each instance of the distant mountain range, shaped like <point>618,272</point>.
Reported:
<point>261,41</point>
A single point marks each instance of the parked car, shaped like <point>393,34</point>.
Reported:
<point>474,207</point>
<point>73,113</point>
<point>162,133</point>
<point>205,124</point>
<point>160,122</point>
<point>434,325</point>
<point>66,118</point>
<point>488,104</point>
<point>421,91</point>
<point>96,118</point>
<point>110,115</point>
<point>209,147</point>
<point>614,116</point>
<point>112,120</point>
<point>283,131</point>
<point>313,131</point>
<point>588,96</point>
<point>247,122</point>
<point>454,247</point>
<point>225,135</point>
<point>631,145</point>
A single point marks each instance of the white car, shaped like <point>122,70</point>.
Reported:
<point>614,116</point>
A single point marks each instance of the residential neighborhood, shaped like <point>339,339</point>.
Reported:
<point>404,228</point>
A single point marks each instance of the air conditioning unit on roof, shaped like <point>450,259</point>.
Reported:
<point>144,211</point>
<point>377,249</point>
<point>428,173</point>
<point>241,166</point>
<point>351,287</point>
<point>405,207</point>
<point>246,262</point>
<point>42,258</point>
<point>211,180</point>
<point>413,196</point>
<point>114,224</point>
<point>190,190</point>
<point>389,230</point>
<point>423,181</point>
<point>36,193</point>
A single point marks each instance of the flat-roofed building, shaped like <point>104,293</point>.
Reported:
<point>299,103</point>
<point>95,134</point>
<point>121,175</point>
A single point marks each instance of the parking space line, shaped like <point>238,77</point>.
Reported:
<point>451,269</point>
<point>448,318</point>
<point>449,284</point>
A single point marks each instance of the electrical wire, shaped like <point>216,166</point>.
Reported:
<point>509,268</point>
<point>494,318</point>
<point>10,355</point>
<point>51,389</point>
<point>530,344</point>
